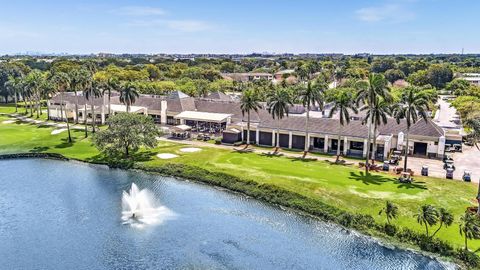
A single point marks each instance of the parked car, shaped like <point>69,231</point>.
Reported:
<point>467,176</point>
<point>394,160</point>
<point>424,170</point>
<point>447,157</point>
<point>449,173</point>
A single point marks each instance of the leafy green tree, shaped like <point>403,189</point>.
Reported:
<point>473,123</point>
<point>412,105</point>
<point>382,65</point>
<point>458,86</point>
<point>343,102</point>
<point>250,101</point>
<point>439,75</point>
<point>128,94</point>
<point>278,102</point>
<point>390,210</point>
<point>445,218</point>
<point>469,227</point>
<point>392,75</point>
<point>428,216</point>
<point>310,94</point>
<point>125,135</point>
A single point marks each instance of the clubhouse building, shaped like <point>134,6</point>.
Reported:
<point>220,114</point>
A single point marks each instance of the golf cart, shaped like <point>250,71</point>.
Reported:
<point>405,178</point>
<point>449,174</point>
<point>398,154</point>
<point>448,165</point>
<point>424,170</point>
<point>386,166</point>
<point>394,159</point>
<point>447,157</point>
<point>467,176</point>
<point>457,147</point>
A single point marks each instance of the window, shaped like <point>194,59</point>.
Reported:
<point>356,145</point>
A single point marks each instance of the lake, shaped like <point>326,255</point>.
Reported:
<point>67,215</point>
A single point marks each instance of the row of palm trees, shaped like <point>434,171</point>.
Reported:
<point>429,216</point>
<point>372,95</point>
<point>37,86</point>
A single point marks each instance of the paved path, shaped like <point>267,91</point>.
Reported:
<point>25,119</point>
<point>447,117</point>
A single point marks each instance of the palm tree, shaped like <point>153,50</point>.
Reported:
<point>428,216</point>
<point>390,210</point>
<point>250,101</point>
<point>91,93</point>
<point>445,218</point>
<point>128,94</point>
<point>473,122</point>
<point>310,95</point>
<point>469,227</point>
<point>110,85</point>
<point>35,80</point>
<point>413,104</point>
<point>368,91</point>
<point>378,115</point>
<point>14,84</point>
<point>62,83</point>
<point>79,81</point>
<point>343,102</point>
<point>278,102</point>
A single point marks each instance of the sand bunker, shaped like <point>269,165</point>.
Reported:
<point>166,156</point>
<point>8,122</point>
<point>57,131</point>
<point>190,150</point>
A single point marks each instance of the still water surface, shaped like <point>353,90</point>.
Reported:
<point>64,215</point>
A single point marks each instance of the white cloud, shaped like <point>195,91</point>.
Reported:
<point>139,11</point>
<point>388,13</point>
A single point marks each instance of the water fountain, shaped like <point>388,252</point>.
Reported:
<point>138,208</point>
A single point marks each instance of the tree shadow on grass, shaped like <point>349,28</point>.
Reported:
<point>65,143</point>
<point>271,155</point>
<point>301,159</point>
<point>413,185</point>
<point>44,126</point>
<point>39,149</point>
<point>370,179</point>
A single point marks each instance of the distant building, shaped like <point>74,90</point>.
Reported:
<point>224,115</point>
<point>247,76</point>
<point>473,78</point>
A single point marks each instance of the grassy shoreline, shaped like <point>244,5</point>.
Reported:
<point>335,193</point>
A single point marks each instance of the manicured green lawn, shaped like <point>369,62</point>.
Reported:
<point>345,187</point>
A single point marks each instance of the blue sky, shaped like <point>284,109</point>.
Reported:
<point>214,26</point>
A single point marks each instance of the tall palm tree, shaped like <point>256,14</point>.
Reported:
<point>377,115</point>
<point>250,101</point>
<point>79,80</point>
<point>110,85</point>
<point>413,104</point>
<point>390,210</point>
<point>278,102</point>
<point>87,86</point>
<point>368,91</point>
<point>343,103</point>
<point>473,122</point>
<point>92,92</point>
<point>310,95</point>
<point>128,94</point>
<point>469,227</point>
<point>445,218</point>
<point>62,83</point>
<point>35,80</point>
<point>14,85</point>
<point>428,216</point>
